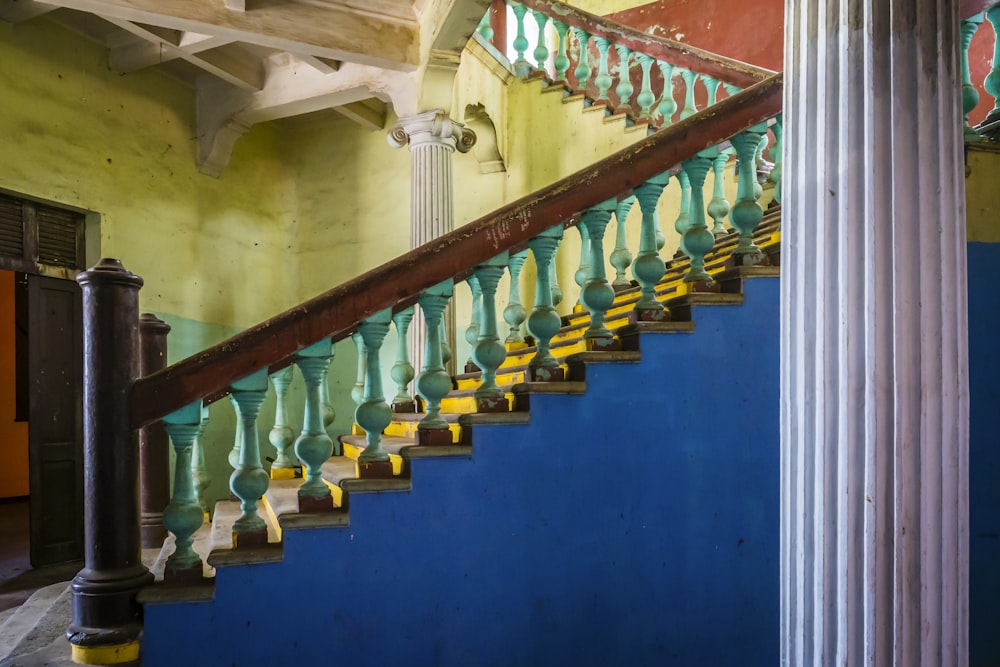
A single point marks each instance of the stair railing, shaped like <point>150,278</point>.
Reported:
<point>117,402</point>
<point>593,52</point>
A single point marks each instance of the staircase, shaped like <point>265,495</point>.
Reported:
<point>610,518</point>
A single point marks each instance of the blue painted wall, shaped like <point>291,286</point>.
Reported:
<point>984,455</point>
<point>636,525</point>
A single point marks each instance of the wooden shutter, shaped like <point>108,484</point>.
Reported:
<point>11,227</point>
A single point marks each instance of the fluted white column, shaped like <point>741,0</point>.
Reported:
<point>432,137</point>
<point>874,378</point>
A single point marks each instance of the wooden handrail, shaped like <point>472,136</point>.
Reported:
<point>338,311</point>
<point>969,8</point>
<point>719,67</point>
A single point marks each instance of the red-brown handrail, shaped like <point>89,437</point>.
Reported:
<point>972,7</point>
<point>338,311</point>
<point>719,67</point>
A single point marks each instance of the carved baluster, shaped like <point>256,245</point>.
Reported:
<point>776,152</point>
<point>402,371</point>
<point>183,516</point>
<point>624,89</point>
<point>282,436</point>
<point>561,62</point>
<point>484,28</point>
<point>747,213</point>
<point>649,268</point>
<point>684,214</point>
<point>522,67</point>
<point>697,240</point>
<point>603,79</point>
<point>582,70</point>
<point>329,414</point>
<point>970,96</point>
<point>719,207</point>
<point>445,348</point>
<point>645,99</point>
<point>249,481</point>
<point>234,453</point>
<point>199,470</point>
<point>992,81</point>
<point>668,105</point>
<point>621,258</point>
<point>544,322</point>
<point>514,314</point>
<point>314,445</point>
<point>489,353</point>
<point>580,277</point>
<point>557,294</point>
<point>760,164</point>
<point>374,414</point>
<point>690,79</point>
<point>597,295</point>
<point>433,383</point>
<point>541,52</point>
<point>731,89</point>
<point>358,390</point>
<point>712,85</point>
<point>472,331</point>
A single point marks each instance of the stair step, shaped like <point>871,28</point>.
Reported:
<point>223,550</point>
<point>38,622</point>
<point>202,545</point>
<point>283,505</point>
<point>344,473</point>
<point>404,425</point>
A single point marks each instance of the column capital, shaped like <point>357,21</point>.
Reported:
<point>431,127</point>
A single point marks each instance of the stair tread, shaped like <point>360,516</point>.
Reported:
<point>22,629</point>
<point>343,472</point>
<point>202,545</point>
<point>283,499</point>
<point>223,551</point>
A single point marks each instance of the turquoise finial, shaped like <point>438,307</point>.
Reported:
<point>668,105</point>
<point>625,88</point>
<point>314,445</point>
<point>514,314</point>
<point>603,79</point>
<point>697,240</point>
<point>597,295</point>
<point>621,258</point>
<point>648,268</point>
<point>249,481</point>
<point>374,414</point>
<point>544,322</point>
<point>489,352</point>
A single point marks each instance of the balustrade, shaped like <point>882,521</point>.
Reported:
<point>544,322</point>
<point>648,267</point>
<point>597,295</point>
<point>621,258</point>
<point>183,516</point>
<point>472,331</point>
<point>489,352</point>
<point>514,314</point>
<point>281,436</point>
<point>249,481</point>
<point>719,207</point>
<point>747,212</point>
<point>697,240</point>
<point>433,383</point>
<point>314,446</point>
<point>402,371</point>
<point>374,414</point>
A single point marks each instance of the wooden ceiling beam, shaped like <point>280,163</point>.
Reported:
<point>16,11</point>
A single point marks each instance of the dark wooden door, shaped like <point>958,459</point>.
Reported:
<point>55,426</point>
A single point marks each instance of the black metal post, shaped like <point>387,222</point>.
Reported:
<point>106,617</point>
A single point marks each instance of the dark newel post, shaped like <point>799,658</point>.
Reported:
<point>154,445</point>
<point>106,618</point>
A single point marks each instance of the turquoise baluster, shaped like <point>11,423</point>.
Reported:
<point>281,435</point>
<point>314,445</point>
<point>557,295</point>
<point>731,89</point>
<point>668,105</point>
<point>541,52</point>
<point>712,85</point>
<point>697,240</point>
<point>521,66</point>
<point>603,79</point>
<point>472,331</point>
<point>690,79</point>
<point>514,314</point>
<point>199,470</point>
<point>249,481</point>
<point>544,322</point>
<point>234,453</point>
<point>489,352</point>
<point>776,152</point>
<point>433,383</point>
<point>402,371</point>
<point>561,62</point>
<point>329,415</point>
<point>597,295</point>
<point>358,391</point>
<point>684,215</point>
<point>718,208</point>
<point>992,81</point>
<point>645,99</point>
<point>183,516</point>
<point>583,270</point>
<point>445,348</point>
<point>582,71</point>
<point>747,212</point>
<point>374,414</point>
<point>484,28</point>
<point>625,88</point>
<point>759,163</point>
<point>970,96</point>
<point>649,267</point>
<point>621,258</point>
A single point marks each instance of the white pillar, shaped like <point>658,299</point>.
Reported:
<point>432,137</point>
<point>874,379</point>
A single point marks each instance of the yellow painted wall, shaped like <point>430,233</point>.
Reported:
<point>981,194</point>
<point>13,435</point>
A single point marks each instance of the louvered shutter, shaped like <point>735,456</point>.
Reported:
<point>58,236</point>
<point>11,227</point>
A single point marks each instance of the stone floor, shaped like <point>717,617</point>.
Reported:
<point>18,580</point>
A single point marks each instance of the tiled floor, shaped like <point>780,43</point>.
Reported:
<point>17,579</point>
